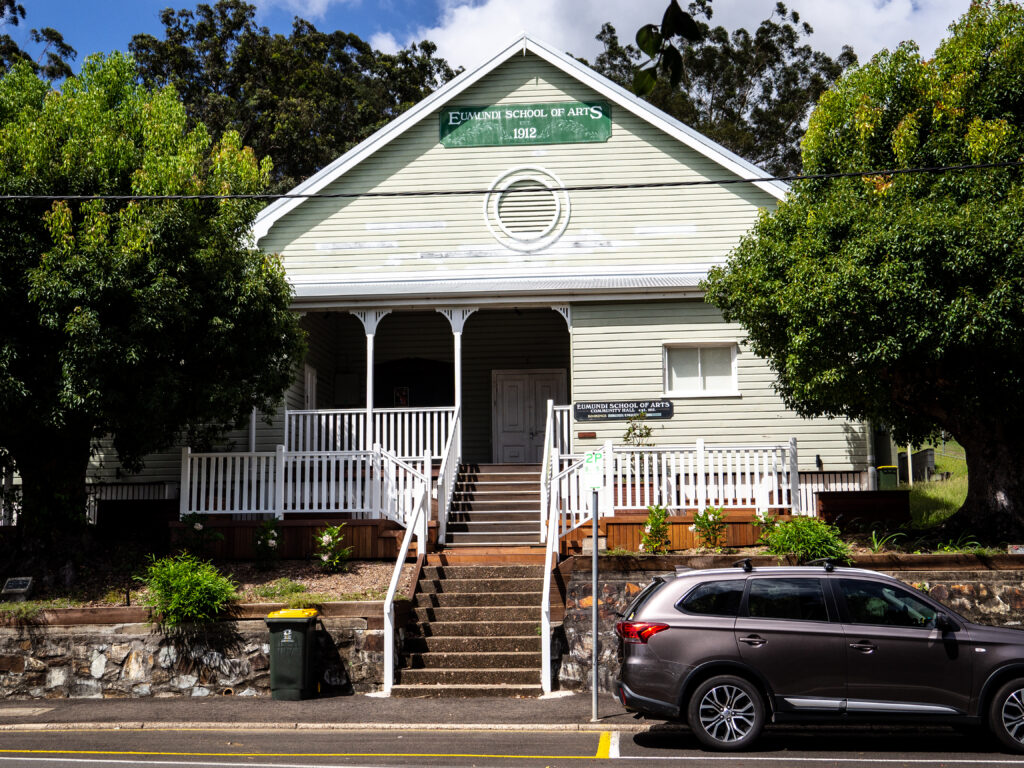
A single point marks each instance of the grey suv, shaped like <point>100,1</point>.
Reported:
<point>727,650</point>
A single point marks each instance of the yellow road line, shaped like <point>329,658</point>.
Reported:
<point>604,746</point>
<point>294,754</point>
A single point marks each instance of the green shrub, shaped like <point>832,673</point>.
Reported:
<point>184,590</point>
<point>809,538</point>
<point>655,536</point>
<point>331,554</point>
<point>710,526</point>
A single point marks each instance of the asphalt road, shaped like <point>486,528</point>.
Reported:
<point>658,746</point>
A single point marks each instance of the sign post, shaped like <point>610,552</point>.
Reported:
<point>593,478</point>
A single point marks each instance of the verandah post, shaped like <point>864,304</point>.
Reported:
<point>702,481</point>
<point>279,475</point>
<point>186,470</point>
<point>794,479</point>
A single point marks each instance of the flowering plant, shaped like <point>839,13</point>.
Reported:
<point>655,538</point>
<point>196,537</point>
<point>765,524</point>
<point>267,540</point>
<point>709,525</point>
<point>330,551</point>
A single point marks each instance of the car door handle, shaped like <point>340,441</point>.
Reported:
<point>864,646</point>
<point>753,640</point>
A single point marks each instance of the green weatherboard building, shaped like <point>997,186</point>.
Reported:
<point>538,275</point>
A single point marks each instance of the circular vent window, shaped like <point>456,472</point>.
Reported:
<point>527,209</point>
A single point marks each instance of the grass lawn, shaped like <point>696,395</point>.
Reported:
<point>933,502</point>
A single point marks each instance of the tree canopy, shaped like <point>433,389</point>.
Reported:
<point>899,299</point>
<point>141,320</point>
<point>56,52</point>
<point>750,92</point>
<point>302,100</point>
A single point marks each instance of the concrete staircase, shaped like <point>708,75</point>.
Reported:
<point>495,505</point>
<point>475,632</point>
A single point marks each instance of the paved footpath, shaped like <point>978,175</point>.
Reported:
<point>559,712</point>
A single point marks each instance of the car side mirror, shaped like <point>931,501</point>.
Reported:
<point>945,624</point>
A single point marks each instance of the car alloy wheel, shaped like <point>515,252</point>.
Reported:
<point>726,713</point>
<point>1006,716</point>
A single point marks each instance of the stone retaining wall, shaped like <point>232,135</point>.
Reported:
<point>985,596</point>
<point>134,660</point>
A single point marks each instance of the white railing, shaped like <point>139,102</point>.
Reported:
<point>416,526</point>
<point>400,481</point>
<point>562,427</point>
<point>232,483</point>
<point>450,460</point>
<point>406,432</point>
<point>549,459</point>
<point>363,484</point>
<point>812,483</point>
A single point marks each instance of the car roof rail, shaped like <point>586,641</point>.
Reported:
<point>745,564</point>
<point>828,563</point>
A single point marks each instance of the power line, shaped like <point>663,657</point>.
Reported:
<point>567,188</point>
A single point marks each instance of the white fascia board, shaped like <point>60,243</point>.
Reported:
<point>522,301</point>
<point>602,85</point>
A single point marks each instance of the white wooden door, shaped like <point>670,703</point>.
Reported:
<point>519,410</point>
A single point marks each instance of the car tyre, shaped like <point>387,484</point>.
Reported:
<point>1006,715</point>
<point>726,713</point>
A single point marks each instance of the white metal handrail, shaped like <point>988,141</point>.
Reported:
<point>416,525</point>
<point>450,460</point>
<point>546,466</point>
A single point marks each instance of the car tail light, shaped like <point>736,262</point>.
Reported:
<point>638,632</point>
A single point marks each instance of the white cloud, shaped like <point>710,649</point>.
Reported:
<point>470,31</point>
<point>386,42</point>
<point>306,9</point>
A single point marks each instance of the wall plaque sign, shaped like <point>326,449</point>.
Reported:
<point>620,410</point>
<point>563,122</point>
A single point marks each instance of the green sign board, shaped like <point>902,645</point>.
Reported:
<point>562,122</point>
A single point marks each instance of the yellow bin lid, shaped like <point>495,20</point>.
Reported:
<point>294,613</point>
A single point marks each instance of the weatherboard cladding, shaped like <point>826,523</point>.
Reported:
<point>630,230</point>
<point>617,348</point>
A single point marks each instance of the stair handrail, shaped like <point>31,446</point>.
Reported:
<point>446,475</point>
<point>550,553</point>
<point>545,468</point>
<point>416,526</point>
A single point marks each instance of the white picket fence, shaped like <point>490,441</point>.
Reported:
<point>405,432</point>
<point>365,484</point>
<point>763,477</point>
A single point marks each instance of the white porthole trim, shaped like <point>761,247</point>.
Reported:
<point>520,241</point>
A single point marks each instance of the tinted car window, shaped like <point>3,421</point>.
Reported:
<point>714,598</point>
<point>798,599</point>
<point>872,602</point>
<point>643,597</point>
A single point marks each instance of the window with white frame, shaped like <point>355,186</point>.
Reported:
<point>700,370</point>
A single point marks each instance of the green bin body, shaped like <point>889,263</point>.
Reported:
<point>888,478</point>
<point>292,636</point>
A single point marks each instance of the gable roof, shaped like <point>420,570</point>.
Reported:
<point>602,85</point>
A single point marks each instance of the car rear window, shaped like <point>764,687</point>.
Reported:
<point>714,598</point>
<point>645,594</point>
<point>797,599</point>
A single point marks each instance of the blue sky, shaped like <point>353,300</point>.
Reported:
<point>467,31</point>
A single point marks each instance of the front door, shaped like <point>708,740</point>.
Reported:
<point>519,409</point>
